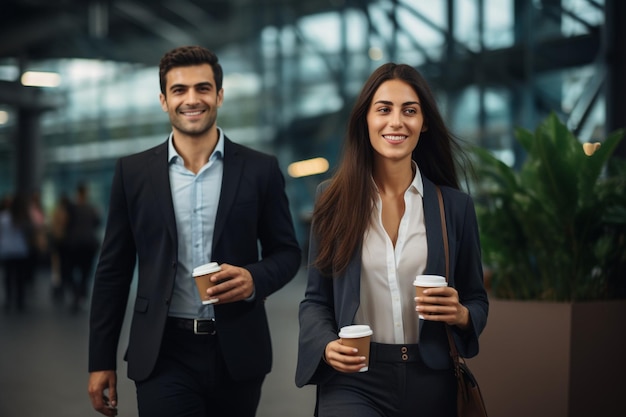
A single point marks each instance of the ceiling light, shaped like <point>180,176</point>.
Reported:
<point>40,79</point>
<point>308,167</point>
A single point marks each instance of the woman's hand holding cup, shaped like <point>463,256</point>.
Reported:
<point>436,301</point>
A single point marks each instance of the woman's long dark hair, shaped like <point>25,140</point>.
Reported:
<point>342,212</point>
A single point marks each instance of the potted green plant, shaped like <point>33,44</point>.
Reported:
<point>553,235</point>
<point>556,229</point>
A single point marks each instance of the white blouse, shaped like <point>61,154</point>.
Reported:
<point>387,273</point>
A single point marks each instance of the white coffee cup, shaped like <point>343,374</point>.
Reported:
<point>358,336</point>
<point>202,275</point>
<point>422,282</point>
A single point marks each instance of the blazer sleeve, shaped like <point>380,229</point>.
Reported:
<point>468,274</point>
<point>465,274</point>
<point>317,328</point>
<point>317,321</point>
<point>280,253</point>
<point>112,281</point>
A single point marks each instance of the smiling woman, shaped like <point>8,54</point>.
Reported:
<point>395,121</point>
<point>375,227</point>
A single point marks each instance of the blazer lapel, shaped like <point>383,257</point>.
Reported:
<point>233,166</point>
<point>435,263</point>
<point>160,180</point>
<point>348,290</point>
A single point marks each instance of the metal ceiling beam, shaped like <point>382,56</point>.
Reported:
<point>18,37</point>
<point>195,15</point>
<point>56,30</point>
<point>147,19</point>
<point>503,66</point>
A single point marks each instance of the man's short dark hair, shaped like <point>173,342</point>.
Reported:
<point>186,56</point>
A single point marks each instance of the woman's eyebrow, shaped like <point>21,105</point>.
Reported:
<point>390,103</point>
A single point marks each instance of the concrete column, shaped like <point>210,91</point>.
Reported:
<point>28,161</point>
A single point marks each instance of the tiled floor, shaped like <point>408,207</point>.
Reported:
<point>43,360</point>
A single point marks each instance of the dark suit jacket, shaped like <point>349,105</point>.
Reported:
<point>331,303</point>
<point>141,229</point>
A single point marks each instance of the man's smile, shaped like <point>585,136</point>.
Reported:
<point>192,112</point>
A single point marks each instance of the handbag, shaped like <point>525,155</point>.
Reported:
<point>469,400</point>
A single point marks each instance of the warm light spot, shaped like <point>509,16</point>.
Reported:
<point>40,79</point>
<point>4,117</point>
<point>308,167</point>
<point>591,148</point>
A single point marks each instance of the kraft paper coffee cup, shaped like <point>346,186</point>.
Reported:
<point>428,281</point>
<point>202,275</point>
<point>358,336</point>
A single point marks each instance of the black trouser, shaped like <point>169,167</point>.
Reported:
<point>191,380</point>
<point>394,386</point>
<point>16,274</point>
<point>77,259</point>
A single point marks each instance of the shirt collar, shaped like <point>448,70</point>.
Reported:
<point>218,152</point>
<point>417,185</point>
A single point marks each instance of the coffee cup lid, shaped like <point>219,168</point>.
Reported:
<point>206,269</point>
<point>357,330</point>
<point>430,281</point>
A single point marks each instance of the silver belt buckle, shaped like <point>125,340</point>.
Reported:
<point>195,326</point>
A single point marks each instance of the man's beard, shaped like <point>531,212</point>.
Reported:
<point>194,129</point>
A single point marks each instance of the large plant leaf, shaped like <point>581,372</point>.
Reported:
<point>551,168</point>
<point>557,228</point>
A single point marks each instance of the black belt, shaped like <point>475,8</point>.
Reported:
<point>380,352</point>
<point>197,326</point>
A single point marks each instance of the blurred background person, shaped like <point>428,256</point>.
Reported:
<point>16,232</point>
<point>80,245</point>
<point>58,246</point>
<point>39,254</point>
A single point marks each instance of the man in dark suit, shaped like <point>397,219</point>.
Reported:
<point>196,198</point>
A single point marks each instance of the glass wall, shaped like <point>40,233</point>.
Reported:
<point>289,90</point>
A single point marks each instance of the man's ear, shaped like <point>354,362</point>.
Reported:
<point>220,97</point>
<point>163,101</point>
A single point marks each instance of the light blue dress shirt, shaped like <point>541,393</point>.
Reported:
<point>195,197</point>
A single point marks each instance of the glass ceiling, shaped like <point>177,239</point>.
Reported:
<point>312,68</point>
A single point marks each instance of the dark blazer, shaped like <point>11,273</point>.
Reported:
<point>141,229</point>
<point>331,303</point>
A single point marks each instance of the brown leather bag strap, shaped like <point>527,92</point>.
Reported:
<point>444,230</point>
